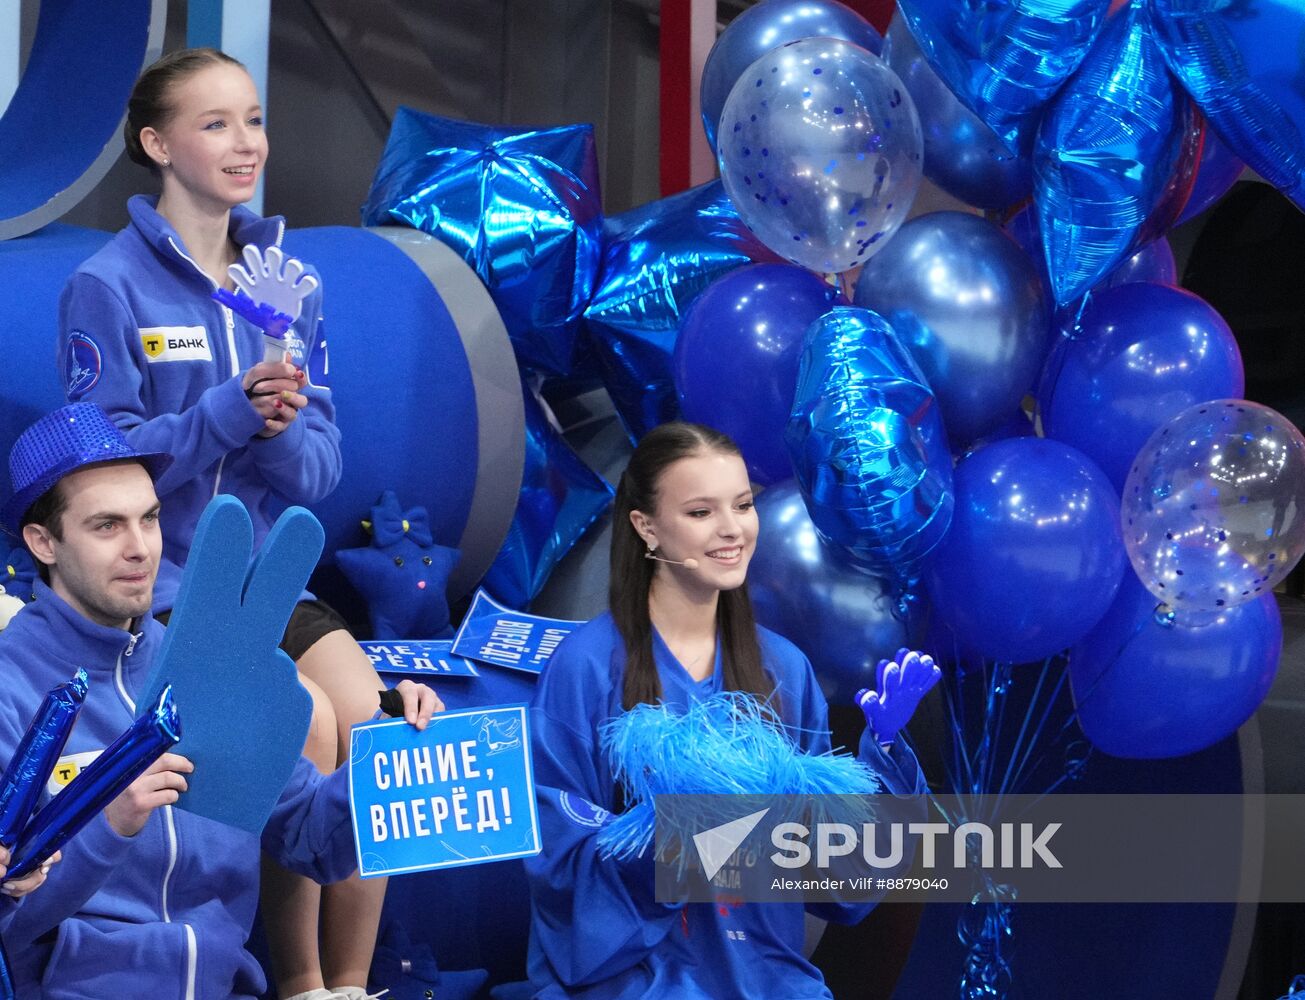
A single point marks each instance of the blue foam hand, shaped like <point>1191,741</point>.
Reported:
<point>266,317</point>
<point>246,713</point>
<point>901,684</point>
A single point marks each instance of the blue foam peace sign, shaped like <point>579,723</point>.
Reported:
<point>246,713</point>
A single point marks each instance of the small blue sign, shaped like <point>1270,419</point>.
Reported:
<point>494,634</point>
<point>418,658</point>
<point>460,793</point>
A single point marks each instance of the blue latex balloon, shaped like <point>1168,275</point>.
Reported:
<point>969,305</point>
<point>1154,262</point>
<point>1215,175</point>
<point>1213,507</point>
<point>961,154</point>
<point>1141,354</point>
<point>1005,58</point>
<point>1034,556</point>
<point>656,259</point>
<point>560,499</point>
<point>868,445</point>
<point>844,620</point>
<point>767,26</point>
<point>1241,62</point>
<point>820,149</point>
<point>522,207</point>
<point>736,359</point>
<point>1115,157</point>
<point>1146,686</point>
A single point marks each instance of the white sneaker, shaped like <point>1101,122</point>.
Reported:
<point>317,994</point>
<point>353,993</point>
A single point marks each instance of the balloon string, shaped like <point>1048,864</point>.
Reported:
<point>1017,760</point>
<point>1036,739</point>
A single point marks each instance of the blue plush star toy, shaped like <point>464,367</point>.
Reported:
<point>402,574</point>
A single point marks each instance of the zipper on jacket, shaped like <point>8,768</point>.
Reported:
<point>192,946</point>
<point>192,958</point>
<point>118,679</point>
<point>230,319</point>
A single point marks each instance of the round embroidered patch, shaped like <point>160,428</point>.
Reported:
<point>582,812</point>
<point>82,365</point>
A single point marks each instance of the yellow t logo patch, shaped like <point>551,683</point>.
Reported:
<point>65,772</point>
<point>153,344</point>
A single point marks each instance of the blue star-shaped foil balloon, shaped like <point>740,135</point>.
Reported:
<point>402,575</point>
<point>1240,60</point>
<point>656,259</point>
<point>560,498</point>
<point>1005,58</point>
<point>521,207</point>
<point>1115,156</point>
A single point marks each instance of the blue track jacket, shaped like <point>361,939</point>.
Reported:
<point>596,929</point>
<point>163,914</point>
<point>141,336</point>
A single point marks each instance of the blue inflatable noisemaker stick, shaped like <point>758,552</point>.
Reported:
<point>121,763</point>
<point>37,753</point>
<point>271,321</point>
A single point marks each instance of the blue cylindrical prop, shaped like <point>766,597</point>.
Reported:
<point>37,753</point>
<point>121,763</point>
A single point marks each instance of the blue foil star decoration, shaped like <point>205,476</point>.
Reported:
<point>402,575</point>
<point>656,259</point>
<point>522,208</point>
<point>560,499</point>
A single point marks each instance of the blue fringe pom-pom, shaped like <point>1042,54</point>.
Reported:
<point>727,744</point>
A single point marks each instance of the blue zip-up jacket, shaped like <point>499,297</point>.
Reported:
<point>597,931</point>
<point>141,336</point>
<point>163,914</point>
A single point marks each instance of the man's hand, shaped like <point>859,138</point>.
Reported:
<point>901,684</point>
<point>419,702</point>
<point>161,785</point>
<point>29,883</point>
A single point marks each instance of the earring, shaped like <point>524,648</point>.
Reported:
<point>652,551</point>
<point>167,162</point>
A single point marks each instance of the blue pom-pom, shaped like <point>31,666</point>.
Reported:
<point>727,744</point>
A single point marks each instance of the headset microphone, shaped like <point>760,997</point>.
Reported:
<point>686,563</point>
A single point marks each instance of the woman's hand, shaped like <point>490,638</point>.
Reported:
<point>21,887</point>
<point>273,391</point>
<point>902,684</point>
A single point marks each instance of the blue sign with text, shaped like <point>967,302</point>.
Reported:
<point>460,793</point>
<point>418,658</point>
<point>494,634</point>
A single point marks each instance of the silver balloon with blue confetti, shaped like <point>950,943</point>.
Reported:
<point>821,151</point>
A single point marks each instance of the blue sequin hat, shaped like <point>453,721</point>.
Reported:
<point>61,442</point>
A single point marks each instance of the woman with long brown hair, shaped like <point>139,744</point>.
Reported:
<point>679,629</point>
